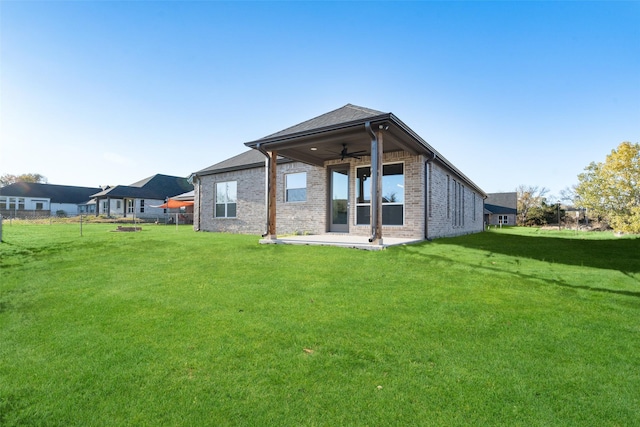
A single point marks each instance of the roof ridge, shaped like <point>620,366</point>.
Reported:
<point>363,109</point>
<point>302,125</point>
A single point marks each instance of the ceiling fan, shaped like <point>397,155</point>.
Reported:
<point>354,155</point>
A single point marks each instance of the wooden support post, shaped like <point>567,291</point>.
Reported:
<point>378,195</point>
<point>272,186</point>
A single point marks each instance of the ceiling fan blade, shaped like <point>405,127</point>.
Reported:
<point>354,155</point>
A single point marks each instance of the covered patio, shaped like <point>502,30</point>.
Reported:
<point>343,240</point>
<point>350,132</point>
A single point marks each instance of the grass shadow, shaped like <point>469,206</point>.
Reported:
<point>612,254</point>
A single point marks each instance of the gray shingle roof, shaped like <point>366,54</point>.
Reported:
<point>345,114</point>
<point>247,160</point>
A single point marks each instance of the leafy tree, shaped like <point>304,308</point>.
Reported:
<point>611,189</point>
<point>7,179</point>
<point>544,214</point>
<point>529,197</point>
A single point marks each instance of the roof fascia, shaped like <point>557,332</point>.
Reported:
<point>297,136</point>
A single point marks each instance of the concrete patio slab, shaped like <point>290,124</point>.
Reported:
<point>340,240</point>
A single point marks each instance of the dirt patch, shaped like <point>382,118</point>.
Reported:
<point>128,229</point>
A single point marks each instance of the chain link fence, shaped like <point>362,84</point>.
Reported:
<point>45,217</point>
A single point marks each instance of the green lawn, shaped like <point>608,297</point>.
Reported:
<point>513,327</point>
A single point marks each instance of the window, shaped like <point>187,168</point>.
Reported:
<point>118,204</point>
<point>430,179</point>
<point>448,197</point>
<point>392,195</point>
<point>296,187</point>
<point>226,198</point>
<point>458,204</point>
<point>503,219</point>
<point>16,203</point>
<point>130,205</point>
<point>39,206</point>
<point>141,205</point>
<point>474,207</point>
<point>3,202</point>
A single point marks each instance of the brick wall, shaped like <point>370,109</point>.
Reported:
<point>251,215</point>
<point>441,215</point>
<point>311,216</point>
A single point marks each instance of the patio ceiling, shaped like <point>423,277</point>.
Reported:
<point>322,144</point>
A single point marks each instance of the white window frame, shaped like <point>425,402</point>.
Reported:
<point>222,198</point>
<point>288,189</point>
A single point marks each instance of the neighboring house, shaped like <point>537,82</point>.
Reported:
<point>353,170</point>
<point>27,199</point>
<point>138,199</point>
<point>501,208</point>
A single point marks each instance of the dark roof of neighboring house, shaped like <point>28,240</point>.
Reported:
<point>502,203</point>
<point>247,160</point>
<point>55,193</point>
<point>494,209</point>
<point>156,187</point>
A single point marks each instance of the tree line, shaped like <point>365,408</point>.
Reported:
<point>609,191</point>
<point>7,178</point>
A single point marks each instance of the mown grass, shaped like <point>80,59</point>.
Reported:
<point>171,327</point>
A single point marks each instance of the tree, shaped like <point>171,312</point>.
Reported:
<point>544,214</point>
<point>7,179</point>
<point>529,197</point>
<point>611,188</point>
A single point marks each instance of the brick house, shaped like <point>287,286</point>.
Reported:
<point>353,170</point>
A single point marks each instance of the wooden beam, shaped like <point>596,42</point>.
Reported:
<point>272,185</point>
<point>378,160</point>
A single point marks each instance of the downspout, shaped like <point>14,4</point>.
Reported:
<point>427,204</point>
<point>198,226</point>
<point>193,179</point>
<point>374,182</point>
<point>267,169</point>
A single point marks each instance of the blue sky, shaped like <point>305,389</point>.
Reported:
<point>110,92</point>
